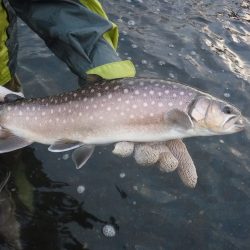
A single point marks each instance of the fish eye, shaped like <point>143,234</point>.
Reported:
<point>227,110</point>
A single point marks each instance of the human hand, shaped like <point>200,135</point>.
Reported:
<point>171,155</point>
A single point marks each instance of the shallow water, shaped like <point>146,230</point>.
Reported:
<point>205,44</point>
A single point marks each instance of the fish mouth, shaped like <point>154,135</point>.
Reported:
<point>235,122</point>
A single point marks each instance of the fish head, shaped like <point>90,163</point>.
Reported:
<point>215,116</point>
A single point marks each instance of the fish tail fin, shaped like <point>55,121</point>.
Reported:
<point>10,142</point>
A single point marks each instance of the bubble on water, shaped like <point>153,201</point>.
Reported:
<point>193,53</point>
<point>131,22</point>
<point>221,141</point>
<point>171,75</point>
<point>170,54</point>
<point>80,189</point>
<point>122,175</point>
<point>65,157</point>
<point>124,32</point>
<point>135,188</point>
<point>161,62</point>
<point>129,57</point>
<point>179,54</point>
<point>108,231</point>
<point>134,46</point>
<point>122,39</point>
<point>134,203</point>
<point>171,46</point>
<point>128,1</point>
<point>144,61</point>
<point>227,95</point>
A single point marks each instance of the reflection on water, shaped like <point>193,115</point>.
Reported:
<point>202,43</point>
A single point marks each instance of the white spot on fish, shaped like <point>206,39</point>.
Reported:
<point>145,104</point>
<point>46,104</point>
<point>64,121</point>
<point>134,106</point>
<point>33,108</point>
<point>125,91</point>
<point>69,110</point>
<point>127,101</point>
<point>153,102</point>
<point>180,102</point>
<point>87,107</point>
<point>160,104</point>
<point>144,94</point>
<point>100,117</point>
<point>119,99</point>
<point>51,111</point>
<point>75,95</point>
<point>174,95</point>
<point>159,94</point>
<point>109,96</point>
<point>66,99</point>
<point>141,83</point>
<point>50,120</point>
<point>92,91</point>
<point>166,91</point>
<point>80,114</point>
<point>92,99</point>
<point>132,116</point>
<point>122,113</point>
<point>27,118</point>
<point>91,117</point>
<point>131,82</point>
<point>36,118</point>
<point>57,119</point>
<point>72,120</point>
<point>116,87</point>
<point>108,108</point>
<point>77,105</point>
<point>95,106</point>
<point>83,91</point>
<point>107,88</point>
<point>189,93</point>
<point>85,99</point>
<point>43,113</point>
<point>9,108</point>
<point>151,114</point>
<point>99,94</point>
<point>181,93</point>
<point>137,92</point>
<point>117,108</point>
<point>170,104</point>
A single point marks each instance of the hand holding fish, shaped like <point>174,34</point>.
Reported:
<point>168,156</point>
<point>138,110</point>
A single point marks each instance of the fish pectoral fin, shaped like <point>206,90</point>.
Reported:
<point>64,145</point>
<point>178,118</point>
<point>81,155</point>
<point>10,142</point>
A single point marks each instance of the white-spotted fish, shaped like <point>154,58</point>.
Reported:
<point>135,110</point>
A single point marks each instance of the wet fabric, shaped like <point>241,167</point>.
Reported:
<point>8,42</point>
<point>75,34</point>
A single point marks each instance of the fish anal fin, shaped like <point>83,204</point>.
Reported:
<point>81,155</point>
<point>179,119</point>
<point>10,142</point>
<point>64,145</point>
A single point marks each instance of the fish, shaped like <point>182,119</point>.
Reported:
<point>110,111</point>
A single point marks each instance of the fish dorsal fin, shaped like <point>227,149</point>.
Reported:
<point>64,145</point>
<point>10,142</point>
<point>12,98</point>
<point>81,155</point>
<point>178,118</point>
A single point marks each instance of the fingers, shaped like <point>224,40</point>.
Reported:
<point>123,149</point>
<point>186,168</point>
<point>145,155</point>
